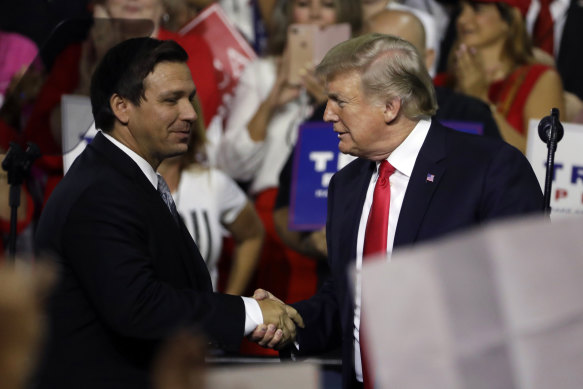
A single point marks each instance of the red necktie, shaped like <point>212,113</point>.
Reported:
<point>375,242</point>
<point>543,34</point>
<point>377,226</point>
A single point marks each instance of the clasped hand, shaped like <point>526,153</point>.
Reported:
<point>279,321</point>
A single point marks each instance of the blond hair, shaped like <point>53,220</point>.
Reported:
<point>390,68</point>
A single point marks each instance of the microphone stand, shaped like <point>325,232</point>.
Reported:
<point>17,163</point>
<point>550,130</point>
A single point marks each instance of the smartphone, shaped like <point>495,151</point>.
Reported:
<point>309,43</point>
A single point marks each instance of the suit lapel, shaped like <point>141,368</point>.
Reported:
<point>191,260</point>
<point>427,174</point>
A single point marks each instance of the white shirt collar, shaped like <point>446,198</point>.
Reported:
<point>141,162</point>
<point>404,156</point>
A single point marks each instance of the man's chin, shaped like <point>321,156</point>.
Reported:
<point>178,151</point>
<point>343,148</point>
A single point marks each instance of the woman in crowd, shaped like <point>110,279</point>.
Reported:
<point>209,201</point>
<point>262,128</point>
<point>493,61</point>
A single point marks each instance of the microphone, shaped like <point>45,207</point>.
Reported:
<point>546,126</point>
<point>550,130</point>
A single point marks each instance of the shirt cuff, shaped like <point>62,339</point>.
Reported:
<point>253,315</point>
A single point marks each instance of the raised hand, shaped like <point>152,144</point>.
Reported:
<point>471,75</point>
<point>282,91</point>
<point>314,85</point>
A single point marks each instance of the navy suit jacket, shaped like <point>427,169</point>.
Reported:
<point>129,276</point>
<point>476,179</point>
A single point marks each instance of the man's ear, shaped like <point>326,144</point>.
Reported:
<point>392,109</point>
<point>120,107</point>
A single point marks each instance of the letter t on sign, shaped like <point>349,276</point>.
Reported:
<point>321,159</point>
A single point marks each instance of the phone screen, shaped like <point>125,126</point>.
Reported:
<point>301,38</point>
<point>309,43</point>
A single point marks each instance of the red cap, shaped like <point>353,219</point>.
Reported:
<point>522,5</point>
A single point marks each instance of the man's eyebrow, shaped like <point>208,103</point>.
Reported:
<point>177,93</point>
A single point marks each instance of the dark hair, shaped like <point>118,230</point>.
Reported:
<point>123,70</point>
<point>518,45</point>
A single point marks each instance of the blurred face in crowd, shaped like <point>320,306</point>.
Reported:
<point>161,124</point>
<point>480,24</point>
<point>320,12</point>
<point>135,9</point>
<point>359,120</point>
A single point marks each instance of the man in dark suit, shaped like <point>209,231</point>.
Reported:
<point>381,100</point>
<point>453,107</point>
<point>130,274</point>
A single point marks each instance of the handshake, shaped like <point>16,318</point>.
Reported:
<point>279,321</point>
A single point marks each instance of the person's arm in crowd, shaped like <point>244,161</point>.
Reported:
<point>310,243</point>
<point>261,90</point>
<point>281,93</point>
<point>248,232</point>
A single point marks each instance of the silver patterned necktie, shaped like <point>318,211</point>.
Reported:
<point>164,191</point>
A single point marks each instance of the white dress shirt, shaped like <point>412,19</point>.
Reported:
<point>253,315</point>
<point>402,159</point>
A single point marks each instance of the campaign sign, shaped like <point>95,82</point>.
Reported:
<point>567,182</point>
<point>231,52</point>
<point>316,159</point>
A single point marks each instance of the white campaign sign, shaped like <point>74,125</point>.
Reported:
<point>567,185</point>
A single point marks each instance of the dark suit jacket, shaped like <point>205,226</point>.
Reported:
<point>570,59</point>
<point>460,107</point>
<point>476,180</point>
<point>129,276</point>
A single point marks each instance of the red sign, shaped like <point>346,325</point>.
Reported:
<point>231,52</point>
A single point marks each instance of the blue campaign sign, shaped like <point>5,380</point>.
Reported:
<point>316,159</point>
<point>475,128</point>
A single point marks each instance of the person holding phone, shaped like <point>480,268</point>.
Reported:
<point>262,127</point>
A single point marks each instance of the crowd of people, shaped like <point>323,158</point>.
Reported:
<point>408,66</point>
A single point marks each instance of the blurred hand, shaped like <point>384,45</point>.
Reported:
<point>280,320</point>
<point>471,76</point>
<point>282,92</point>
<point>313,85</point>
<point>180,363</point>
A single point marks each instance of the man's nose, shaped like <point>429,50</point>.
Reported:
<point>329,115</point>
<point>188,112</point>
